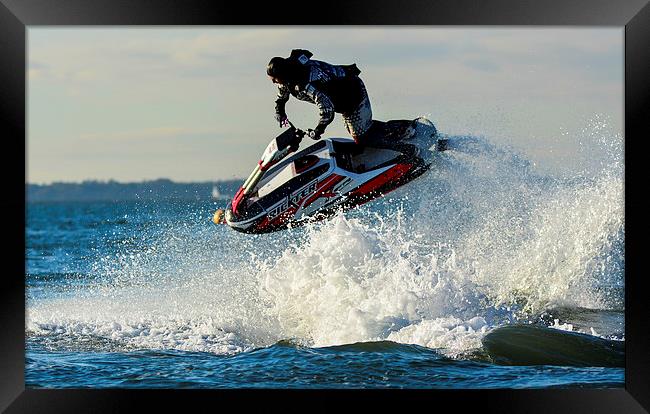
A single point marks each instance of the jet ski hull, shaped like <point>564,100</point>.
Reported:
<point>332,175</point>
<point>379,186</point>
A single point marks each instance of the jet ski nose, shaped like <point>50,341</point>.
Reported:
<point>229,216</point>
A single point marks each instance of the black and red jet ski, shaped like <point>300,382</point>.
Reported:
<point>331,175</point>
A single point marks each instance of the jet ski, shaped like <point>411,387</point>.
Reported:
<point>289,188</point>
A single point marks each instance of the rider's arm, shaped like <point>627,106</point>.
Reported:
<point>325,106</point>
<point>281,100</point>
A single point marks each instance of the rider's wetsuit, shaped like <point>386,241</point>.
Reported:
<point>333,88</point>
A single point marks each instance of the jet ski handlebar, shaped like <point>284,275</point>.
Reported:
<point>281,146</point>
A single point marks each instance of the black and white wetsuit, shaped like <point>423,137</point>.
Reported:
<point>333,88</point>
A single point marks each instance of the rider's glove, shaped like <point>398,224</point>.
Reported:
<point>316,133</point>
<point>282,119</point>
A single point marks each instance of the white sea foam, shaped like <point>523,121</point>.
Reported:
<point>480,240</point>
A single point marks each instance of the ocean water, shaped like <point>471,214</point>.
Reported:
<point>482,273</point>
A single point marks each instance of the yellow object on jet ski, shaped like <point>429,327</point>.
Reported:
<point>218,217</point>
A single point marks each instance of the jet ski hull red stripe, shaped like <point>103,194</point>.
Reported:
<point>289,213</point>
<point>323,188</point>
<point>237,199</point>
<point>278,221</point>
<point>364,193</point>
<point>286,216</point>
<point>377,182</point>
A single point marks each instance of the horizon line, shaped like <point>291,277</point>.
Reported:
<point>143,181</point>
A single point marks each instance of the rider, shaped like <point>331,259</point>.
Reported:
<point>333,88</point>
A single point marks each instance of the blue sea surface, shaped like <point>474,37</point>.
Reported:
<point>450,282</point>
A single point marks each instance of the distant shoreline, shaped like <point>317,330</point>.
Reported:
<point>160,189</point>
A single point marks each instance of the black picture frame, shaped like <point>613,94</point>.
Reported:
<point>17,15</point>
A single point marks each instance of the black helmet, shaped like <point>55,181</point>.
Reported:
<point>286,70</point>
<point>276,67</point>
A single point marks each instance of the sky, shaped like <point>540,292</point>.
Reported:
<point>194,103</point>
